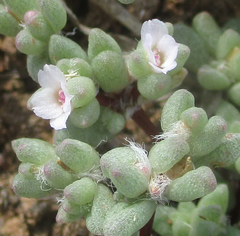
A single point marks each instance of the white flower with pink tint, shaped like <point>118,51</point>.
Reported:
<point>52,101</point>
<point>161,48</point>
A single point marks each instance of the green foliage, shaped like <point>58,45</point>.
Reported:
<point>85,116</point>
<point>83,156</point>
<point>29,45</point>
<point>9,25</point>
<point>126,170</point>
<point>64,48</point>
<point>91,96</point>
<point>36,24</point>
<point>207,217</point>
<point>110,71</point>
<point>99,42</point>
<point>19,8</point>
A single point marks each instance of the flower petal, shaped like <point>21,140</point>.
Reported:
<point>51,76</point>
<point>167,47</point>
<point>148,48</point>
<point>59,122</point>
<point>45,104</point>
<point>67,107</point>
<point>156,28</point>
<point>157,69</point>
<point>170,67</point>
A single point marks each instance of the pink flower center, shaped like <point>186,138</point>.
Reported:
<point>61,96</point>
<point>157,57</point>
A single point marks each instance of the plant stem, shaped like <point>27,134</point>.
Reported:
<point>139,116</point>
<point>117,11</point>
<point>147,229</point>
<point>143,121</point>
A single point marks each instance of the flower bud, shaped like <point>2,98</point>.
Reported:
<point>85,116</point>
<point>9,26</point>
<point>81,191</point>
<point>207,28</point>
<point>75,66</point>
<point>62,48</point>
<point>30,187</point>
<point>38,26</point>
<point>54,12</point>
<point>212,79</point>
<point>102,203</point>
<point>57,175</point>
<point>83,89</point>
<point>218,197</point>
<point>154,86</point>
<point>165,154</point>
<point>99,41</point>
<point>74,209</point>
<point>224,155</point>
<point>226,43</point>
<point>199,56</point>
<point>110,71</point>
<point>194,184</point>
<point>209,138</point>
<point>175,105</point>
<point>126,219</point>
<point>234,93</point>
<point>196,118</point>
<point>65,217</point>
<point>27,44</point>
<point>78,156</point>
<point>34,151</point>
<point>19,8</point>
<point>128,169</point>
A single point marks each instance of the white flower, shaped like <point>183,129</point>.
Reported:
<point>52,101</point>
<point>161,48</point>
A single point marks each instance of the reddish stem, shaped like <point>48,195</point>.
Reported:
<point>107,102</point>
<point>143,121</point>
<point>147,229</point>
<point>139,117</point>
